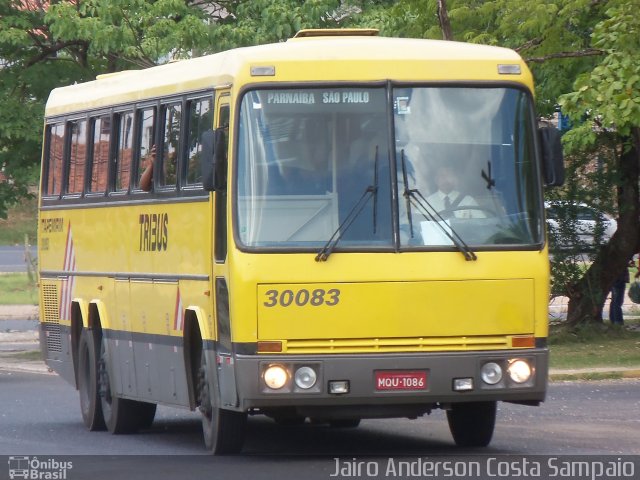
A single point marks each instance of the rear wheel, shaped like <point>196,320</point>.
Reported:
<point>146,414</point>
<point>120,415</point>
<point>472,424</point>
<point>90,404</point>
<point>223,430</point>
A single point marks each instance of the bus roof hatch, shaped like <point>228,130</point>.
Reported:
<point>337,32</point>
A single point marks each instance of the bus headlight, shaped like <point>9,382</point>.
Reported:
<point>519,371</point>
<point>491,373</point>
<point>305,377</point>
<point>275,377</point>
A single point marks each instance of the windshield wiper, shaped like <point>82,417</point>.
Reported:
<point>370,191</point>
<point>415,197</point>
<point>407,192</point>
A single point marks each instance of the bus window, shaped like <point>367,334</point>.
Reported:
<point>170,144</point>
<point>467,151</point>
<point>54,165</point>
<point>200,120</point>
<point>125,150</point>
<point>309,160</point>
<point>146,122</point>
<point>77,156</point>
<point>100,154</point>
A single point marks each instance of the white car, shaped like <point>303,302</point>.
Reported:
<point>586,221</point>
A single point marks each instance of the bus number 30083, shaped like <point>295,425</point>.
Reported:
<point>315,298</point>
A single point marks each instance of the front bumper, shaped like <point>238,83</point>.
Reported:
<point>360,372</point>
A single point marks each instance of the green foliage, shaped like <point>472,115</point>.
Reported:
<point>17,289</point>
<point>609,94</point>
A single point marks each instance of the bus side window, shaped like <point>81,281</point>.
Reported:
<point>146,139</point>
<point>54,159</point>
<point>101,136</point>
<point>124,153</point>
<point>200,120</point>
<point>77,156</point>
<point>170,144</point>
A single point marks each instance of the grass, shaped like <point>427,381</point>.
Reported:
<point>26,356</point>
<point>22,220</point>
<point>594,346</point>
<point>15,289</point>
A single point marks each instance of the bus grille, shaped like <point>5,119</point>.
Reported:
<point>372,345</point>
<point>50,303</point>
<point>52,334</point>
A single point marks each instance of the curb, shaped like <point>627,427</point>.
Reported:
<point>19,312</point>
<point>15,366</point>
<point>595,373</point>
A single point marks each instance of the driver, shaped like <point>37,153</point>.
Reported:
<point>447,200</point>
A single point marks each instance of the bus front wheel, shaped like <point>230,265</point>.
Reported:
<point>223,430</point>
<point>472,424</point>
<point>88,387</point>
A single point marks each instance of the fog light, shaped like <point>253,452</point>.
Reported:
<point>491,373</point>
<point>275,377</point>
<point>519,371</point>
<point>462,384</point>
<point>305,377</point>
<point>339,386</point>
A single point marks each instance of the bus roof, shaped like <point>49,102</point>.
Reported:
<point>339,58</point>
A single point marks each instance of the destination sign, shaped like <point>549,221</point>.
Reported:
<point>310,98</point>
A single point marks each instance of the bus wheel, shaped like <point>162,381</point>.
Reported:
<point>120,415</point>
<point>345,423</point>
<point>223,430</point>
<point>88,382</point>
<point>472,424</point>
<point>145,414</point>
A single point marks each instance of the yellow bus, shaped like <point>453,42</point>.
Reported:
<point>337,227</point>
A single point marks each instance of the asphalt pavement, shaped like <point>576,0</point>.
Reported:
<point>12,258</point>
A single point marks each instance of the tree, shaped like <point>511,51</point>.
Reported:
<point>609,97</point>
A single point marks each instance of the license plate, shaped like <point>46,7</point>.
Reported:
<point>401,379</point>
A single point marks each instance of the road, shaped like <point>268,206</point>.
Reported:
<point>40,416</point>
<point>12,259</point>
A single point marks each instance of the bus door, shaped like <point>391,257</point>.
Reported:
<point>120,348</point>
<point>224,357</point>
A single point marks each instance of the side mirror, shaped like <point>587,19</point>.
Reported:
<point>552,158</point>
<point>207,140</point>
<point>214,160</point>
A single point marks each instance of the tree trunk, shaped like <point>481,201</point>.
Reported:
<point>587,296</point>
<point>443,18</point>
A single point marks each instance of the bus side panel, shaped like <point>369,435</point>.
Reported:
<point>55,336</point>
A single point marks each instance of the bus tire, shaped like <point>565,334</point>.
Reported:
<point>146,414</point>
<point>471,424</point>
<point>345,423</point>
<point>223,430</point>
<point>88,387</point>
<point>120,414</point>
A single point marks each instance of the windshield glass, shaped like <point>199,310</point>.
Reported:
<point>305,158</point>
<point>314,166</point>
<point>466,167</point>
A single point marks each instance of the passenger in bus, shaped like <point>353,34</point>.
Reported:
<point>447,200</point>
<point>146,178</point>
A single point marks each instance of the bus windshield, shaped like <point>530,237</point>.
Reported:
<point>316,162</point>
